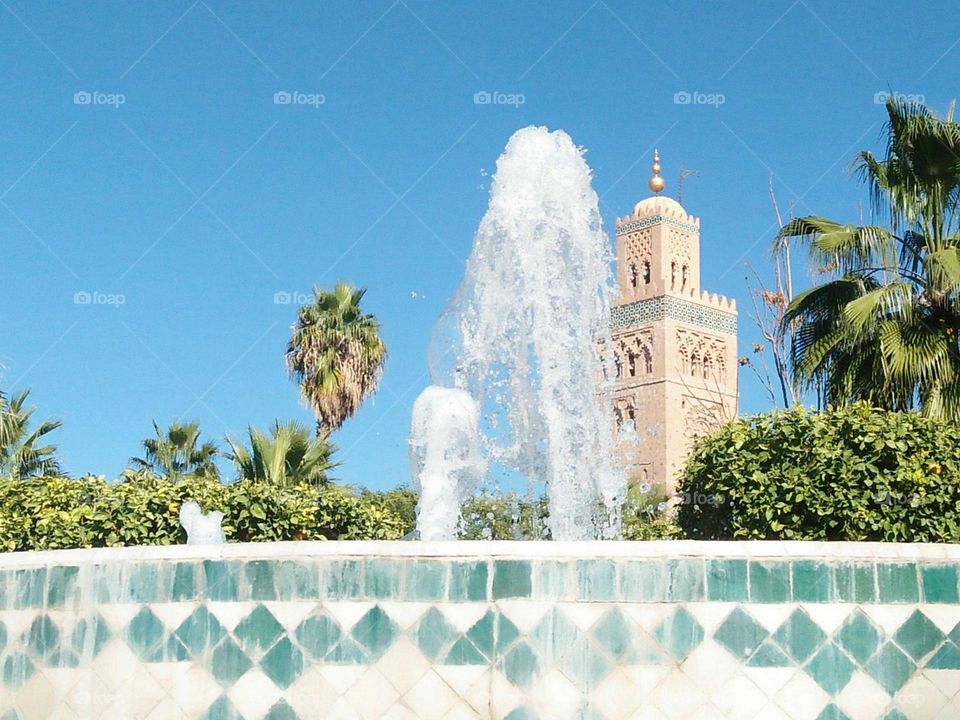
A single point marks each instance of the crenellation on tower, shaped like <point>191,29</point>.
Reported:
<point>675,343</point>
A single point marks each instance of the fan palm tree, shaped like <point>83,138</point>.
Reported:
<point>336,355</point>
<point>287,456</point>
<point>178,452</point>
<point>22,455</point>
<point>883,327</point>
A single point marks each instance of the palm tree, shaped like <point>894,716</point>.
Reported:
<point>336,355</point>
<point>177,452</point>
<point>21,454</point>
<point>883,327</point>
<point>287,456</point>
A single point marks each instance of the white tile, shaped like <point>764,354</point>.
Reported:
<point>801,698</point>
<point>167,709</point>
<point>862,698</point>
<point>554,696</point>
<point>403,665</point>
<point>311,696</point>
<point>773,712</point>
<point>371,695</point>
<point>461,677</point>
<point>739,699</point>
<point>404,614</point>
<point>341,677</point>
<point>710,614</point>
<point>254,694</point>
<point>462,616</point>
<point>888,617</point>
<point>478,696</point>
<point>229,614</point>
<point>710,666</point>
<point>195,692</point>
<point>173,613</point>
<point>118,615</point>
<point>617,696</point>
<point>462,711</point>
<point>946,681</point>
<point>919,699</point>
<point>35,698</point>
<point>647,615</point>
<point>829,616</point>
<point>584,615</point>
<point>950,711</point>
<point>504,697</point>
<point>342,710</point>
<point>290,613</point>
<point>525,614</point>
<point>431,697</point>
<point>771,615</point>
<point>770,680</point>
<point>646,677</point>
<point>398,711</point>
<point>944,616</point>
<point>677,696</point>
<point>347,613</point>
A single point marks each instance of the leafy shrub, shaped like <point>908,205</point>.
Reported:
<point>143,509</point>
<point>857,473</point>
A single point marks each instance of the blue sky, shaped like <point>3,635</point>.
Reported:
<point>183,189</point>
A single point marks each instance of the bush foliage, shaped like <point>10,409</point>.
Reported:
<point>857,473</point>
<point>143,509</point>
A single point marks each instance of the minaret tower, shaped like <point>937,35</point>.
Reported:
<point>675,344</point>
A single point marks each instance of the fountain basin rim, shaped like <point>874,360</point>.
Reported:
<point>599,549</point>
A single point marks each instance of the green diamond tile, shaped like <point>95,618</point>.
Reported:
<point>918,636</point>
<point>769,655</point>
<point>553,633</point>
<point>511,579</point>
<point>614,633</point>
<point>894,715</point>
<point>740,634</point>
<point>586,712</point>
<point>583,665</point>
<point>727,580</point>
<point>281,711</point>
<point>318,634</point>
<point>890,668</point>
<point>520,665</point>
<point>61,585</point>
<point>769,581</point>
<point>897,582</point>
<point>939,583</point>
<point>296,580</point>
<point>144,633</point>
<point>811,581</point>
<point>183,581</point>
<point>3,637</point>
<point>174,650</point>
<point>799,636</point>
<point>142,583</point>
<point>344,579</point>
<point>42,637</point>
<point>946,658</point>
<point>425,580</point>
<point>831,669</point>
<point>381,579</point>
<point>17,668</point>
<point>482,633</point>
<point>434,635</point>
<point>222,709</point>
<point>258,630</point>
<point>859,637</point>
<point>506,633</point>
<point>855,582</point>
<point>686,580</point>
<point>522,713</point>
<point>596,580</point>
<point>283,663</point>
<point>464,652</point>
<point>260,579</point>
<point>228,662</point>
<point>643,580</point>
<point>30,588</point>
<point>680,634</point>
<point>468,581</point>
<point>11,715</point>
<point>375,632</point>
<point>221,580</point>
<point>832,712</point>
<point>553,579</point>
<point>347,652</point>
<point>955,634</point>
<point>89,635</point>
<point>200,631</point>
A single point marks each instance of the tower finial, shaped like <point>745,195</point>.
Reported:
<point>657,183</point>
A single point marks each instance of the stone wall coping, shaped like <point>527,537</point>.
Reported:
<point>574,550</point>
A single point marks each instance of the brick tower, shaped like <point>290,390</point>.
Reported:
<point>675,345</point>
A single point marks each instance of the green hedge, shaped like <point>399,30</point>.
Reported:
<point>143,509</point>
<point>852,474</point>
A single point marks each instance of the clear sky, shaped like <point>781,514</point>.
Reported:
<point>177,185</point>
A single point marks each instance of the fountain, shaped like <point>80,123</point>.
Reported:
<point>525,337</point>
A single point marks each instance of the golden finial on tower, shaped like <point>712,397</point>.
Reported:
<point>657,183</point>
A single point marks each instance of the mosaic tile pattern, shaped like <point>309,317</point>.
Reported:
<point>489,638</point>
<point>667,306</point>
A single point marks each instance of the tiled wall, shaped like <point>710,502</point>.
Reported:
<point>483,630</point>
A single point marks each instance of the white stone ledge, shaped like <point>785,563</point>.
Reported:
<point>756,549</point>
